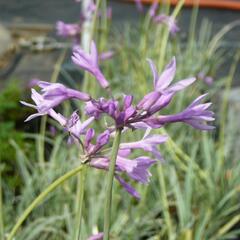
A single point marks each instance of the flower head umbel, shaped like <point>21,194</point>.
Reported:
<point>96,156</point>
<point>89,62</point>
<point>96,151</point>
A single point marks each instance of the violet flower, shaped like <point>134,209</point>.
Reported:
<point>55,93</point>
<point>67,29</point>
<point>89,62</point>
<point>148,144</point>
<point>73,125</point>
<point>106,55</point>
<point>139,5</point>
<point>120,114</point>
<point>169,21</point>
<point>136,169</point>
<point>39,100</point>
<point>109,13</point>
<point>163,91</point>
<point>32,83</point>
<point>196,115</point>
<point>153,9</point>
<point>207,79</point>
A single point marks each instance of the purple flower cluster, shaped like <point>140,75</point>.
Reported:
<point>125,115</point>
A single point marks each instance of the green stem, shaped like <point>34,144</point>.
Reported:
<point>79,203</point>
<point>224,112</point>
<point>41,139</point>
<point>165,204</point>
<point>166,36</point>
<point>1,208</point>
<point>108,198</point>
<point>41,197</point>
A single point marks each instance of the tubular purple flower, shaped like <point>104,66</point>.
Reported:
<point>207,79</point>
<point>67,29</point>
<point>163,93</point>
<point>89,136</point>
<point>148,144</point>
<point>112,108</point>
<point>139,5</point>
<point>56,93</point>
<point>169,21</point>
<point>132,191</point>
<point>153,9</point>
<point>89,62</point>
<point>91,7</point>
<point>136,169</point>
<point>106,55</point>
<point>38,100</point>
<point>109,13</point>
<point>196,115</point>
<point>75,127</point>
<point>101,141</point>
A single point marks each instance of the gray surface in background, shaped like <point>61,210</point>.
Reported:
<point>49,11</point>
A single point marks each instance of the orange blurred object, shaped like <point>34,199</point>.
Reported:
<point>223,4</point>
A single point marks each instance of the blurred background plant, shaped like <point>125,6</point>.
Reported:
<point>194,193</point>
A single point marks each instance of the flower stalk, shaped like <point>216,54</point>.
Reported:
<point>80,198</point>
<point>41,197</point>
<point>1,207</point>
<point>108,198</point>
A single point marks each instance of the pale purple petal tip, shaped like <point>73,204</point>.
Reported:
<point>98,236</point>
<point>128,188</point>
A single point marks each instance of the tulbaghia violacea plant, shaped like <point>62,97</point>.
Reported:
<point>106,151</point>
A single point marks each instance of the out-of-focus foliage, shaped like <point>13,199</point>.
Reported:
<point>11,129</point>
